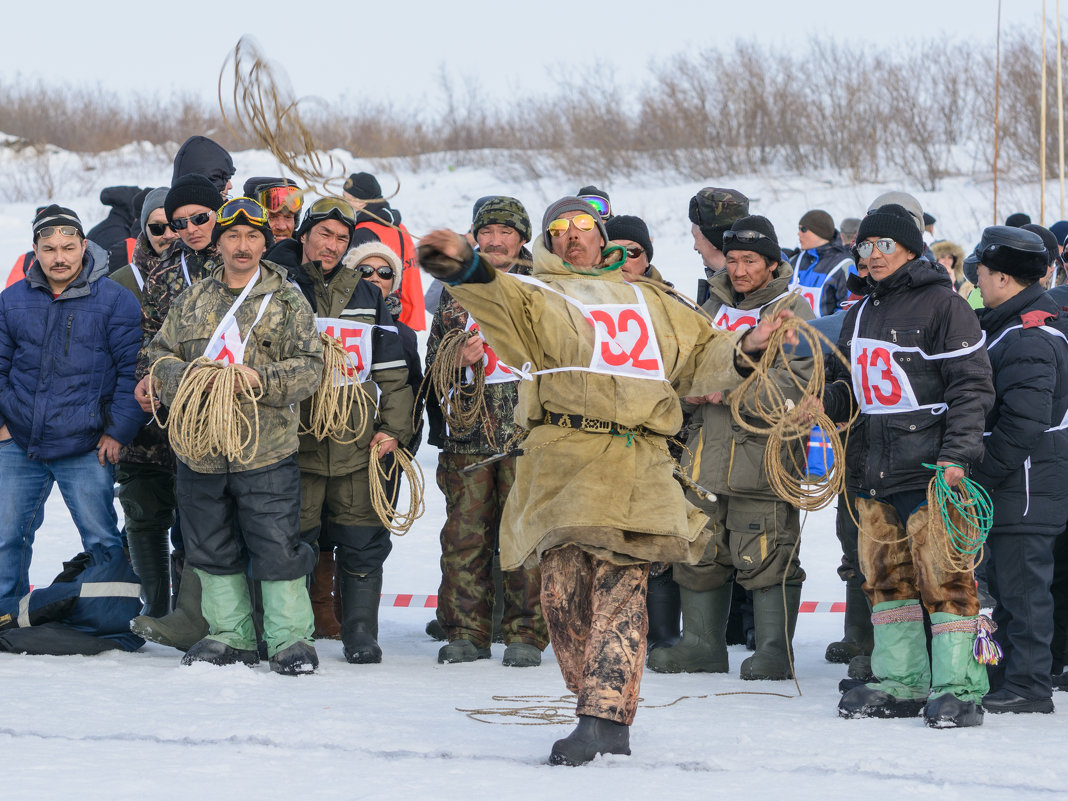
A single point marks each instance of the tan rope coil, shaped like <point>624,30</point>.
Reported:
<point>330,408</point>
<point>207,417</point>
<point>382,483</point>
<point>463,405</point>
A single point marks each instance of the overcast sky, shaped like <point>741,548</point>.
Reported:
<point>395,50</point>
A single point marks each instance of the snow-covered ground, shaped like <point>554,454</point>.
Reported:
<point>136,726</point>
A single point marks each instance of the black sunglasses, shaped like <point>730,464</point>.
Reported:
<point>180,223</point>
<point>383,272</point>
<point>634,252</point>
<point>158,229</point>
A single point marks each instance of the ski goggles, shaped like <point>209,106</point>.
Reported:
<point>885,245</point>
<point>254,213</point>
<point>600,205</point>
<point>327,207</point>
<point>181,223</point>
<point>583,222</point>
<point>277,198</point>
<point>386,273</point>
<point>745,237</point>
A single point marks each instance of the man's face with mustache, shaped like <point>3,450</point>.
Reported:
<point>241,248</point>
<point>500,244</point>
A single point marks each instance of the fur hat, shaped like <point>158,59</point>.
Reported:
<point>353,258</point>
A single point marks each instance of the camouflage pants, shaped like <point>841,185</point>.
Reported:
<point>908,568</point>
<point>598,622</point>
<point>473,506</point>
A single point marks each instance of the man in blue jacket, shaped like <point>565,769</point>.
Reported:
<point>68,349</point>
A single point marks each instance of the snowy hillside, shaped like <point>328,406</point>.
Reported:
<point>138,726</point>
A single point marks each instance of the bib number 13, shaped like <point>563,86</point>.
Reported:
<point>877,378</point>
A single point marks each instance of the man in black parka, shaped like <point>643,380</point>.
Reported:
<point>1025,461</point>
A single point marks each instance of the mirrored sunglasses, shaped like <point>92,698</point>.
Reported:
<point>583,222</point>
<point>885,245</point>
<point>181,223</point>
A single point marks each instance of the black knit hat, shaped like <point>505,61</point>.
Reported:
<point>627,226</point>
<point>363,186</point>
<point>1053,248</point>
<point>502,210</point>
<point>895,222</point>
<point>1017,220</point>
<point>56,215</point>
<point>192,189</point>
<point>818,222</point>
<point>753,233</point>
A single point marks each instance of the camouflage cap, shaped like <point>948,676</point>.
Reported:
<point>714,210</point>
<point>502,210</point>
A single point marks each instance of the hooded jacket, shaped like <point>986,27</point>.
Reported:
<point>204,156</point>
<point>67,363</point>
<point>722,456</point>
<point>283,347</point>
<point>613,496</point>
<point>1026,456</point>
<point>821,273</point>
<point>915,307</point>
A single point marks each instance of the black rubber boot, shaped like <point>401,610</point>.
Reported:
<point>664,604</point>
<point>858,639</point>
<point>436,631</point>
<point>150,561</point>
<point>497,618</point>
<point>219,653</point>
<point>1002,701</point>
<point>360,596</point>
<point>591,737</point>
<point>949,712</point>
<point>177,571</point>
<point>774,633</point>
<point>297,660</point>
<point>702,648</point>
<point>866,701</point>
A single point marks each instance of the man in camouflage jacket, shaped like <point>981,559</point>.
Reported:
<point>268,331</point>
<point>474,501</point>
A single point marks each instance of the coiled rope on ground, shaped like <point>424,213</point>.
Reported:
<point>208,417</point>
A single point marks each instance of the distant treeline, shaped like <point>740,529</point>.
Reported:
<point>927,113</point>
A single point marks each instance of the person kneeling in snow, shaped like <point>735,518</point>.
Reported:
<point>86,610</point>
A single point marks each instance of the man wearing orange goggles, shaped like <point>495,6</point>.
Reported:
<point>282,199</point>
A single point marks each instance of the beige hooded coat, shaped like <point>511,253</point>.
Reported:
<point>613,496</point>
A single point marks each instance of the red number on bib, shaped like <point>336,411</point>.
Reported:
<point>608,352</point>
<point>884,395</point>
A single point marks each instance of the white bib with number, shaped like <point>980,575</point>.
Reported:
<point>729,318</point>
<point>624,341</point>
<point>355,338</point>
<point>880,383</point>
<point>496,371</point>
<point>226,343</point>
<point>813,293</point>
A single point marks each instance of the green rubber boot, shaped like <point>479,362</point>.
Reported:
<point>774,619</point>
<point>184,626</point>
<point>287,614</point>
<point>958,681</point>
<point>703,647</point>
<point>227,607</point>
<point>899,662</point>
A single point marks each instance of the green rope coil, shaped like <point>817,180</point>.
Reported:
<point>973,506</point>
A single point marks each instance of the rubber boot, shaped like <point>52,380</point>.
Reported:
<point>497,618</point>
<point>591,737</point>
<point>702,648</point>
<point>461,651</point>
<point>150,561</point>
<point>183,627</point>
<point>288,626</point>
<point>177,570</point>
<point>774,621</point>
<point>321,593</point>
<point>858,639</point>
<point>228,610</point>
<point>958,682</point>
<point>360,596</point>
<point>900,662</point>
<point>664,603</point>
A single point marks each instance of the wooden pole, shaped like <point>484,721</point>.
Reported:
<point>1042,129</point>
<point>997,93</point>
<point>1060,107</point>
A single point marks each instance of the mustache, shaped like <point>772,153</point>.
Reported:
<point>242,254</point>
<point>495,249</point>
